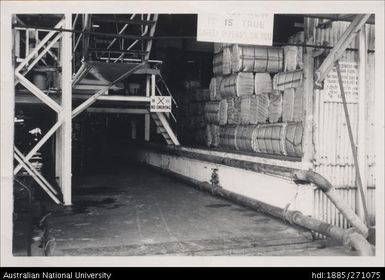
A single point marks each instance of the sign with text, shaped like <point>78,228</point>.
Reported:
<point>236,28</point>
<point>349,74</point>
<point>160,104</point>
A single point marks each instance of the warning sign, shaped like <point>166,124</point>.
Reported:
<point>160,104</point>
<point>236,28</point>
<point>349,74</point>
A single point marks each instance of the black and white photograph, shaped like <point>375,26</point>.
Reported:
<point>197,133</point>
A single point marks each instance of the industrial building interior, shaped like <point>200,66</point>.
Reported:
<point>98,173</point>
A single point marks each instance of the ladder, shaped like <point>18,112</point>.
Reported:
<point>164,128</point>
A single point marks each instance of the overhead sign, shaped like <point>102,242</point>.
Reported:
<point>349,75</point>
<point>236,28</point>
<point>160,104</point>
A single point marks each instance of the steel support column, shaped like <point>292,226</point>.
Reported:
<point>66,103</point>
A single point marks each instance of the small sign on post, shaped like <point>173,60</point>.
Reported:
<point>160,104</point>
<point>236,28</point>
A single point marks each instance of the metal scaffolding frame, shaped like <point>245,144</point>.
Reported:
<point>61,130</point>
<point>64,33</point>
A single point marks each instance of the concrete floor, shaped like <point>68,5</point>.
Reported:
<point>132,211</point>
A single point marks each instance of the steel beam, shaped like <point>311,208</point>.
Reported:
<point>352,145</point>
<point>362,119</point>
<point>66,103</point>
<point>29,168</point>
<point>37,179</point>
<point>39,144</point>
<point>98,94</point>
<point>339,49</point>
<point>117,110</point>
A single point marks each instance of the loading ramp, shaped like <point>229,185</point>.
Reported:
<point>133,211</point>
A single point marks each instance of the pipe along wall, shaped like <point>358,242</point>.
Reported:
<point>164,160</point>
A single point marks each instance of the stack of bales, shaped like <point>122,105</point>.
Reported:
<point>255,99</point>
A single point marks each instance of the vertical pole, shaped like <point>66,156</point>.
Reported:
<point>361,141</point>
<point>152,85</point>
<point>352,144</point>
<point>308,149</point>
<point>17,43</point>
<point>147,127</point>
<point>7,107</point>
<point>66,98</point>
<point>26,42</point>
<point>133,128</point>
<point>147,116</point>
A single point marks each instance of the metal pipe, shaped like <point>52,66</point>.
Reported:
<point>352,145</point>
<point>348,238</point>
<point>305,176</point>
<point>327,188</point>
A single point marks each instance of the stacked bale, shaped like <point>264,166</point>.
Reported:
<point>215,130</point>
<point>254,109</point>
<point>256,59</point>
<point>293,139</point>
<point>214,89</point>
<point>262,83</point>
<point>237,84</point>
<point>218,64</point>
<point>292,86</point>
<point>285,80</point>
<point>271,138</point>
<point>226,56</point>
<point>228,136</point>
<point>216,112</point>
<point>298,39</point>
<point>246,139</point>
<point>244,108</point>
<point>291,54</point>
<point>275,106</point>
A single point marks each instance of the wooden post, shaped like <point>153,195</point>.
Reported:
<point>362,118</point>
<point>133,128</point>
<point>66,102</point>
<point>147,116</point>
<point>147,127</point>
<point>308,148</point>
<point>7,107</point>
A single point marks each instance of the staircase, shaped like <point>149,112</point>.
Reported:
<point>164,128</point>
<point>118,58</point>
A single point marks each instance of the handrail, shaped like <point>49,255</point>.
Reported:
<point>168,90</point>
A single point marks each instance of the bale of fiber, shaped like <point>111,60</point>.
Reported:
<point>254,109</point>
<point>262,83</point>
<point>293,139</point>
<point>258,59</point>
<point>216,112</point>
<point>271,138</point>
<point>275,106</point>
<point>285,80</point>
<point>290,61</point>
<point>227,137</point>
<point>238,84</point>
<point>218,64</point>
<point>214,135</point>
<point>246,138</point>
<point>226,66</point>
<point>213,89</point>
